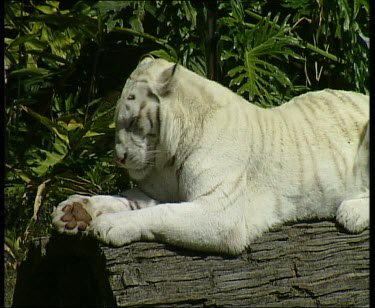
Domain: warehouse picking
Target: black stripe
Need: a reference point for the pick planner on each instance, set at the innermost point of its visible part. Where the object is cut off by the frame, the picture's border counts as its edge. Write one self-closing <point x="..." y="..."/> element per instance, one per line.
<point x="137" y="205"/>
<point x="322" y="136"/>
<point x="317" y="178"/>
<point x="258" y="114"/>
<point x="149" y="118"/>
<point x="131" y="205"/>
<point x="209" y="192"/>
<point x="292" y="133"/>
<point x="344" y="97"/>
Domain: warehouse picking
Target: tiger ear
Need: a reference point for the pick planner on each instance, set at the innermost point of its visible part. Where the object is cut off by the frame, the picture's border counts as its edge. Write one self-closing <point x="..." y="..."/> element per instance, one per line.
<point x="147" y="58"/>
<point x="165" y="80"/>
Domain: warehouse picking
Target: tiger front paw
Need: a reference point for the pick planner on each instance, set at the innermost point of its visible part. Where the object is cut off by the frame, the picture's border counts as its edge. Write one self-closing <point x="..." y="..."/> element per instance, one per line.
<point x="119" y="229"/>
<point x="73" y="215"/>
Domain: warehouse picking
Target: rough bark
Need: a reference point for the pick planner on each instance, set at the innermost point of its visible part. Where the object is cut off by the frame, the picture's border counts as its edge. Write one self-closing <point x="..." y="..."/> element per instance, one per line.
<point x="300" y="265"/>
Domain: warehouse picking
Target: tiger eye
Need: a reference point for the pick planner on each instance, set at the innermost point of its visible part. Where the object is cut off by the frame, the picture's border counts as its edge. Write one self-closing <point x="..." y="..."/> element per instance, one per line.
<point x="131" y="97"/>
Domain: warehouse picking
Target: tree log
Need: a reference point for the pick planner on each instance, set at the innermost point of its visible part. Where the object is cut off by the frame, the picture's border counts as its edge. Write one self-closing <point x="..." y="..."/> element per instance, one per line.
<point x="301" y="265"/>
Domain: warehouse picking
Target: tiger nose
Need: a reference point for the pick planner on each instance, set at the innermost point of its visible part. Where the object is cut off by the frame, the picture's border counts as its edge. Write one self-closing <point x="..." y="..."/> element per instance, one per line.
<point x="121" y="160"/>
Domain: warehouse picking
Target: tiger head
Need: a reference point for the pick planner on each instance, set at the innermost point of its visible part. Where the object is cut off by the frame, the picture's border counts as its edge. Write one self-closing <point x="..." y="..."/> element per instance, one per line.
<point x="137" y="116"/>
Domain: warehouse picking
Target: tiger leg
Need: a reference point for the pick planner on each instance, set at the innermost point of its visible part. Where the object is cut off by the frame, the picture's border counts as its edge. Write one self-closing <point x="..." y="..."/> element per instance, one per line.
<point x="77" y="212"/>
<point x="192" y="225"/>
<point x="353" y="214"/>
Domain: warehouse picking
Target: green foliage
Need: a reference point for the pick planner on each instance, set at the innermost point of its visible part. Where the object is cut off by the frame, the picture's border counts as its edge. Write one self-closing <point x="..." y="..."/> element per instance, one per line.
<point x="66" y="63"/>
<point x="340" y="28"/>
<point x="57" y="123"/>
<point x="273" y="55"/>
<point x="254" y="49"/>
<point x="185" y="42"/>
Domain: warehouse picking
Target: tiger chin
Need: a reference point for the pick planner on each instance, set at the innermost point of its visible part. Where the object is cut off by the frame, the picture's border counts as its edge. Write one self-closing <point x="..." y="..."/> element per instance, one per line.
<point x="214" y="172"/>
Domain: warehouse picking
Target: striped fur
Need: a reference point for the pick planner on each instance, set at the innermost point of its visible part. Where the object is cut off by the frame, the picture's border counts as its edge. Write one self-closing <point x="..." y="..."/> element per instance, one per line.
<point x="215" y="171"/>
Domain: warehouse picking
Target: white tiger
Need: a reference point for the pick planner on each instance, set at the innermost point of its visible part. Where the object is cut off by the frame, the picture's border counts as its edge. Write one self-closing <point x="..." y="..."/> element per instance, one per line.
<point x="215" y="171"/>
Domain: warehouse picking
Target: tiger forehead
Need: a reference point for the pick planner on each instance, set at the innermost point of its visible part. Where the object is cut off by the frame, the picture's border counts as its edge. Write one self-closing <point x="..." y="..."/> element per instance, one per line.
<point x="135" y="80"/>
<point x="133" y="94"/>
<point x="133" y="83"/>
<point x="137" y="89"/>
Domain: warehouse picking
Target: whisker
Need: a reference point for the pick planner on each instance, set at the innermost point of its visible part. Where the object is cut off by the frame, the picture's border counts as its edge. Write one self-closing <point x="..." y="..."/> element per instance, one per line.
<point x="156" y="151"/>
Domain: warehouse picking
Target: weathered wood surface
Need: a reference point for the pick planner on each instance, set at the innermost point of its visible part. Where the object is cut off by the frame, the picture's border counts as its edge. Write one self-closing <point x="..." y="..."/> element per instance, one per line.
<point x="300" y="265"/>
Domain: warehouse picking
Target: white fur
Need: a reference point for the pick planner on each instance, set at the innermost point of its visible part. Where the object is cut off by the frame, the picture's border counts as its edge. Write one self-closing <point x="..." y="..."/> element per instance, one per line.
<point x="224" y="170"/>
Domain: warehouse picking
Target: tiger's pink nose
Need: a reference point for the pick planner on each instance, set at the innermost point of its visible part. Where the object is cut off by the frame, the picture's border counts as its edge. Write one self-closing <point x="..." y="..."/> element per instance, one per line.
<point x="122" y="161"/>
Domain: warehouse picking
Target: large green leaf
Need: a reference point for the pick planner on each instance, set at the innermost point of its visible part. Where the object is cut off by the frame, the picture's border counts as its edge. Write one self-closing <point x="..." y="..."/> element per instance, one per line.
<point x="54" y="127"/>
<point x="256" y="76"/>
<point x="28" y="72"/>
<point x="42" y="161"/>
